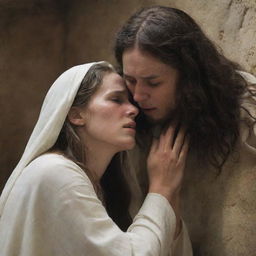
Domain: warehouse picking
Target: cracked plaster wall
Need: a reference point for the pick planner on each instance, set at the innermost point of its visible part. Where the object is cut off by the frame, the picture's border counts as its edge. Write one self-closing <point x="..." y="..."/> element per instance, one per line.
<point x="40" y="39"/>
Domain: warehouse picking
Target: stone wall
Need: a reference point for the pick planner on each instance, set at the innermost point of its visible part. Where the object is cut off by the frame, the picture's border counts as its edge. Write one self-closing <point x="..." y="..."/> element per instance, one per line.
<point x="42" y="38"/>
<point x="32" y="51"/>
<point x="229" y="23"/>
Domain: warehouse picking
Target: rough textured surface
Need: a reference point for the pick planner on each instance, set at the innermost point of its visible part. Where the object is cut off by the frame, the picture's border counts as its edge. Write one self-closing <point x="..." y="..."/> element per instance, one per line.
<point x="220" y="210"/>
<point x="41" y="38"/>
<point x="231" y="24"/>
<point x="31" y="49"/>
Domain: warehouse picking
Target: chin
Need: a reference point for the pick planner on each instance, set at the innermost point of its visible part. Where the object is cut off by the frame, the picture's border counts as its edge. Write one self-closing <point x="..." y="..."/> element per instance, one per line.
<point x="128" y="145"/>
<point x="153" y="120"/>
<point x="131" y="146"/>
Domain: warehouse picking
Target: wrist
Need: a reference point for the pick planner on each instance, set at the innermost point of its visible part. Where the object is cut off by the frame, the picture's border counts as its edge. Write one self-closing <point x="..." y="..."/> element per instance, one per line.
<point x="166" y="192"/>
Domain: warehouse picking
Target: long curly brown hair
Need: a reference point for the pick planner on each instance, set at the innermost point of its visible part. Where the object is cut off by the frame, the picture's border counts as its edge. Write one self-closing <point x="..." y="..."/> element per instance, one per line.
<point x="210" y="89"/>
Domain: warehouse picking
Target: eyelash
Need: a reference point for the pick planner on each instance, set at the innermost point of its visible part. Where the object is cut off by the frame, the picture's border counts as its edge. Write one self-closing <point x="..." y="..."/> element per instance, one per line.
<point x="117" y="100"/>
<point x="153" y="84"/>
<point x="130" y="82"/>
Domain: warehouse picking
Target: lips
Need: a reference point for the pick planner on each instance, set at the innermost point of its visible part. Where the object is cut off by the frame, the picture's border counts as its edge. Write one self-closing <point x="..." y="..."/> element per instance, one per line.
<point x="146" y="107"/>
<point x="131" y="124"/>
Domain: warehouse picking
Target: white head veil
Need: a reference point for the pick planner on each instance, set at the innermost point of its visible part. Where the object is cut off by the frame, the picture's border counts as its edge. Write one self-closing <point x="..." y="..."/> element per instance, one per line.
<point x="51" y="119"/>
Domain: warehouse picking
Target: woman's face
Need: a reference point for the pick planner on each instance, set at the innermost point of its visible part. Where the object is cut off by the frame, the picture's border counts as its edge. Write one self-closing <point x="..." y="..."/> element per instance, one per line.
<point x="109" y="116"/>
<point x="152" y="83"/>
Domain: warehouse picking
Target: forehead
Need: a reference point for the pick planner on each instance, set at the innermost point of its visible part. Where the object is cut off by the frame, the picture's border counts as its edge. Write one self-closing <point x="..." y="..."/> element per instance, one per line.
<point x="111" y="82"/>
<point x="141" y="63"/>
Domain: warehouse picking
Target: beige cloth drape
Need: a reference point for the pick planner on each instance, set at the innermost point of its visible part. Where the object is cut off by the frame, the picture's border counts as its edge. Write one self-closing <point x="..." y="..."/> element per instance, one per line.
<point x="49" y="207"/>
<point x="52" y="116"/>
<point x="53" y="210"/>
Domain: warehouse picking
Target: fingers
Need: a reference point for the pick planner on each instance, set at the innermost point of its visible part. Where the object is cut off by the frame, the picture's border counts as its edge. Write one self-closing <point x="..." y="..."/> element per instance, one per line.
<point x="169" y="143"/>
<point x="184" y="150"/>
<point x="166" y="139"/>
<point x="179" y="141"/>
<point x="154" y="145"/>
<point x="166" y="162"/>
<point x="163" y="143"/>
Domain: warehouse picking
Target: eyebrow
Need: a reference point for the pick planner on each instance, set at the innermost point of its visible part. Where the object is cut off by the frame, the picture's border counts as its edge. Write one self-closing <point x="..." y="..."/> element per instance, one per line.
<point x="143" y="77"/>
<point x="121" y="92"/>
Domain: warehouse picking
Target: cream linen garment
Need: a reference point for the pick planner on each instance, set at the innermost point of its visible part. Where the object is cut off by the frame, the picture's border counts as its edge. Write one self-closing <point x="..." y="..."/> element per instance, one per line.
<point x="49" y="208"/>
<point x="53" y="113"/>
<point x="53" y="211"/>
<point x="220" y="212"/>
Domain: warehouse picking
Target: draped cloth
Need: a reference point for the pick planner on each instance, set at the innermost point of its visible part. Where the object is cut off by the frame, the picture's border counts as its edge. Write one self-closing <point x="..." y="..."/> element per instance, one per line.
<point x="51" y="119"/>
<point x="49" y="206"/>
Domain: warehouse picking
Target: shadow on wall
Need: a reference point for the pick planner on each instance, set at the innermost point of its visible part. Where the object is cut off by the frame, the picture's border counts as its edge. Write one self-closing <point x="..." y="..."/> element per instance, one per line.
<point x="42" y="38"/>
<point x="39" y="40"/>
<point x="32" y="49"/>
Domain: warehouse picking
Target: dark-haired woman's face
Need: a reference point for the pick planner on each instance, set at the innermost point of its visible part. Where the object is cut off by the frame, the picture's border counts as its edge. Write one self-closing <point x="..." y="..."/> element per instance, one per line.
<point x="151" y="82"/>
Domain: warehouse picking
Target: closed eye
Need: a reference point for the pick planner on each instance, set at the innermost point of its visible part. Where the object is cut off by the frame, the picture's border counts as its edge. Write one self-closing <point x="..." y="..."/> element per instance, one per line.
<point x="119" y="96"/>
<point x="117" y="100"/>
<point x="153" y="84"/>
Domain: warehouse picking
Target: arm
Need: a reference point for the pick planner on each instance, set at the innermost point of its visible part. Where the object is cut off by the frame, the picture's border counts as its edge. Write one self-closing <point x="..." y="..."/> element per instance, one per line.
<point x="82" y="226"/>
<point x="166" y="163"/>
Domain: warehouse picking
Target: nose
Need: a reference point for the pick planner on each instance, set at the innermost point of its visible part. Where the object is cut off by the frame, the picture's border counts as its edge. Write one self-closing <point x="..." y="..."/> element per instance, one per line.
<point x="132" y="111"/>
<point x="139" y="93"/>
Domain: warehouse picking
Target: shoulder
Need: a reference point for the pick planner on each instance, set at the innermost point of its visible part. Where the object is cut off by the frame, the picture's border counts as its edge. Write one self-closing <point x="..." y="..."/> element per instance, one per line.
<point x="55" y="171"/>
<point x="249" y="98"/>
<point x="248" y="113"/>
<point x="251" y="79"/>
<point x="53" y="160"/>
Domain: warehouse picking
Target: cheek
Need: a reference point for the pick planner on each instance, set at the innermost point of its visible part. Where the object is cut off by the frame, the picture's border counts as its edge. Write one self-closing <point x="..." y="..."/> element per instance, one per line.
<point x="104" y="115"/>
<point x="98" y="125"/>
<point x="166" y="98"/>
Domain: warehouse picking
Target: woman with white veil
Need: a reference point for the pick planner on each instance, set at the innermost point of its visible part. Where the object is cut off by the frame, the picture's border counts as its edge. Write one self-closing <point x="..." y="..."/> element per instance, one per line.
<point x="67" y="195"/>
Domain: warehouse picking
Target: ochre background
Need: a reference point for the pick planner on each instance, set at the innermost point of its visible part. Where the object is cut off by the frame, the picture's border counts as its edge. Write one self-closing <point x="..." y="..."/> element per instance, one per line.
<point x="40" y="39"/>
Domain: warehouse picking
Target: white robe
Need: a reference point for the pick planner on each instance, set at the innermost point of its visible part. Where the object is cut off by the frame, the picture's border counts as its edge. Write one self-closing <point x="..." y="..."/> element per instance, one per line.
<point x="53" y="210"/>
<point x="49" y="207"/>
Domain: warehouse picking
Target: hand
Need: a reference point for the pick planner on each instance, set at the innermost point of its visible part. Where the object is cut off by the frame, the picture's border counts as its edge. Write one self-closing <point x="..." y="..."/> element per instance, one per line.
<point x="166" y="162"/>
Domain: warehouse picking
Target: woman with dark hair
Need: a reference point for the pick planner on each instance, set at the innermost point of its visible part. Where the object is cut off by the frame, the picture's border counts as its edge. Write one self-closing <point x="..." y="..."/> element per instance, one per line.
<point x="68" y="195"/>
<point x="176" y="75"/>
